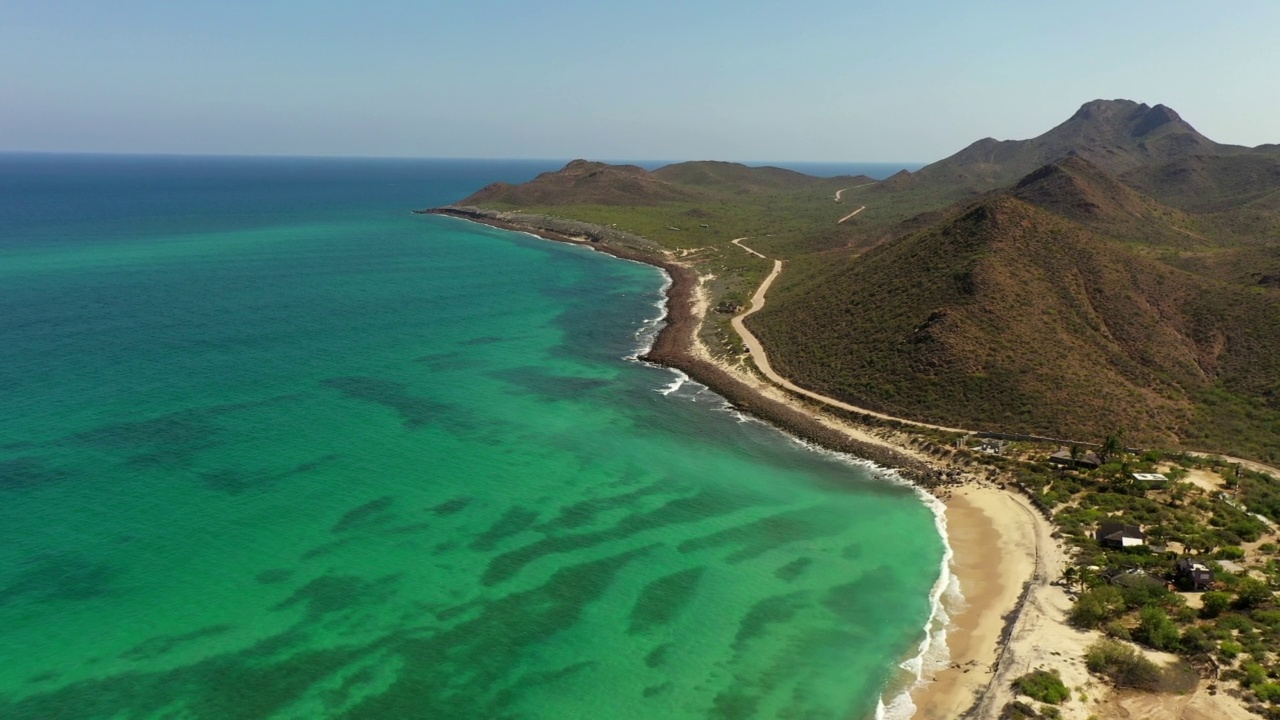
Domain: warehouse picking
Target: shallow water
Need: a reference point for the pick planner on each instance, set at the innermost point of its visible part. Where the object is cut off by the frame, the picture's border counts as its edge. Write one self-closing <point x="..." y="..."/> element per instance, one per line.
<point x="273" y="447"/>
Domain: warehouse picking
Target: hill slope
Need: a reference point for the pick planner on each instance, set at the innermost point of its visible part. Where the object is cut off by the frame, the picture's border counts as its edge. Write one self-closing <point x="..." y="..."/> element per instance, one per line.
<point x="1013" y="318"/>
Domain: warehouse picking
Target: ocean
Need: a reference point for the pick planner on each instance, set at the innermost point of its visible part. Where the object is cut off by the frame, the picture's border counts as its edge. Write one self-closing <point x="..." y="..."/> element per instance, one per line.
<point x="274" y="447"/>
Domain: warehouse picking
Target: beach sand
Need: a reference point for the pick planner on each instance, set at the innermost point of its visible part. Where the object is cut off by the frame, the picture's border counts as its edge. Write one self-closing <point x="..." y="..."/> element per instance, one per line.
<point x="994" y="540"/>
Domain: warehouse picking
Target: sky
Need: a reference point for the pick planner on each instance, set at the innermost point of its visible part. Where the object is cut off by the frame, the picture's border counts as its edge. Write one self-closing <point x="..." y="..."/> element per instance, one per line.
<point x="747" y="81"/>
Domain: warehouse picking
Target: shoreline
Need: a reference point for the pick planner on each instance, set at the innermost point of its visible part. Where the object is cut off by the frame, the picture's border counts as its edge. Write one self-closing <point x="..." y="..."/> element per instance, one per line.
<point x="973" y="610"/>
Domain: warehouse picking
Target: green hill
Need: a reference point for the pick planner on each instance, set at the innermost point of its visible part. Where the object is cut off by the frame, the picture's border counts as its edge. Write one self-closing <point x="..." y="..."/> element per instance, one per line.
<point x="1009" y="317"/>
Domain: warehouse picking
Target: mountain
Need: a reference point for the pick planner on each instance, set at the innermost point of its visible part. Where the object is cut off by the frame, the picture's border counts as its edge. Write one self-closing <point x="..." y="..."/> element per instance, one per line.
<point x="1024" y="311"/>
<point x="1115" y="135"/>
<point x="582" y="182"/>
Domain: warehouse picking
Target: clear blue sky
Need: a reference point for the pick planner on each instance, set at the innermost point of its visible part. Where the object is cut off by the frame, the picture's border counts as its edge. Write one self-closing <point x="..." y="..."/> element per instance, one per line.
<point x="742" y="80"/>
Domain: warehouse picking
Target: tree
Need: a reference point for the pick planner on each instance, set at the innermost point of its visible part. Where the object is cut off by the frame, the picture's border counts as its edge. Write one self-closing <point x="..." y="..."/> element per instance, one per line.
<point x="1113" y="445"/>
<point x="1070" y="576"/>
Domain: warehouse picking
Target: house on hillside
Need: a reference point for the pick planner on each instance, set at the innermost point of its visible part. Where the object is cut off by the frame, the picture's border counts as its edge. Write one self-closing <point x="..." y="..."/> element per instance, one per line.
<point x="1088" y="461"/>
<point x="1150" y="477"/>
<point x="1114" y="534"/>
<point x="1197" y="575"/>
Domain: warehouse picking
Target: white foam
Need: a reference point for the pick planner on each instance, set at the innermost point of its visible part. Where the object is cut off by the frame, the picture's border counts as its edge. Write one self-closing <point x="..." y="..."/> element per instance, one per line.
<point x="647" y="333"/>
<point x="675" y="385"/>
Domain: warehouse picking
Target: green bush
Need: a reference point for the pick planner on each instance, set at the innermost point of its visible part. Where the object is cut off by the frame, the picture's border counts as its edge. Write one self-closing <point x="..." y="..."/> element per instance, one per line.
<point x="1194" y="641"/>
<point x="1229" y="649"/>
<point x="1124" y="666"/>
<point x="1096" y="606"/>
<point x="1231" y="552"/>
<point x="1117" y="630"/>
<point x="1251" y="592"/>
<point x="1267" y="692"/>
<point x="1155" y="630"/>
<point x="1043" y="685"/>
<point x="1214" y="603"/>
<point x="1254" y="674"/>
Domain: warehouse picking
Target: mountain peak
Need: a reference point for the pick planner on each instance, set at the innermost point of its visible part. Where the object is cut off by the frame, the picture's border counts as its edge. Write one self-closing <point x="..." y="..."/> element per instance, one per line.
<point x="1099" y="109"/>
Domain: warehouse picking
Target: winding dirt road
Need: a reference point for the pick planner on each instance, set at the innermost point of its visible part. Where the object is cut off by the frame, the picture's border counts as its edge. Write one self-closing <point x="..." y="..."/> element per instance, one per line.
<point x="762" y="362"/>
<point x="855" y="212"/>
<point x="852" y="187"/>
<point x="762" y="359"/>
<point x="738" y="242"/>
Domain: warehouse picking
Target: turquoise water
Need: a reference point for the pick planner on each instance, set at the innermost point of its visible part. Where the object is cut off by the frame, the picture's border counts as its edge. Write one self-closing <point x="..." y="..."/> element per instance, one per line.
<point x="272" y="447"/>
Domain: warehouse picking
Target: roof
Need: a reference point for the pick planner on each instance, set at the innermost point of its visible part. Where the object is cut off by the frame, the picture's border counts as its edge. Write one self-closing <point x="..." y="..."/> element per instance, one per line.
<point x="1118" y="531"/>
<point x="1150" y="477"/>
<point x="1189" y="565"/>
<point x="1064" y="456"/>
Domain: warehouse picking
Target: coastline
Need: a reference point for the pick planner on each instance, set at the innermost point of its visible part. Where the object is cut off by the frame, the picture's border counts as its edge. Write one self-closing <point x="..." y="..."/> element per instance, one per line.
<point x="981" y="524"/>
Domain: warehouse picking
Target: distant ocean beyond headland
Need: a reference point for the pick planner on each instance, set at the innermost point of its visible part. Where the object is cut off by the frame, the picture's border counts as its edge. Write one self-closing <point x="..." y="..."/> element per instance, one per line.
<point x="274" y="447"/>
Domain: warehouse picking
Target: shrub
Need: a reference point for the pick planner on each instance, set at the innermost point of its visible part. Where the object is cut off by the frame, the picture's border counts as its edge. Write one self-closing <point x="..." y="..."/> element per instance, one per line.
<point x="1254" y="674"/>
<point x="1229" y="649"/>
<point x="1117" y="630"/>
<point x="1096" y="606"/>
<point x="1251" y="593"/>
<point x="1268" y="692"/>
<point x="1124" y="666"/>
<point x="1043" y="685"/>
<point x="1214" y="603"/>
<point x="1194" y="641"/>
<point x="1231" y="552"/>
<point x="1018" y="710"/>
<point x="1155" y="630"/>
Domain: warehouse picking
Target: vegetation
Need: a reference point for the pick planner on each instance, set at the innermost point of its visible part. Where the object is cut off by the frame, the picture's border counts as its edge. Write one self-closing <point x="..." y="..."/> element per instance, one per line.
<point x="1043" y="685"/>
<point x="1122" y="665"/>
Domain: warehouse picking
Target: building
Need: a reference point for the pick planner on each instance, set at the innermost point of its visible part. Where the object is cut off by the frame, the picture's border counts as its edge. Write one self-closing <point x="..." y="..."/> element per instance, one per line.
<point x="1197" y="575"/>
<point x="1114" y="534"/>
<point x="1150" y="477"/>
<point x="1089" y="461"/>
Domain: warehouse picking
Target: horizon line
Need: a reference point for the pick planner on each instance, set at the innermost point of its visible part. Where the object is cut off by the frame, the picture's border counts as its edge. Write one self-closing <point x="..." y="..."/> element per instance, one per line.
<point x="284" y="156"/>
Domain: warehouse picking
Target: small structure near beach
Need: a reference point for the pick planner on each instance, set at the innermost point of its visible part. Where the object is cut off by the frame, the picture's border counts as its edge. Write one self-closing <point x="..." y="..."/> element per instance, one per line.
<point x="1089" y="460"/>
<point x="1114" y="534"/>
<point x="1194" y="574"/>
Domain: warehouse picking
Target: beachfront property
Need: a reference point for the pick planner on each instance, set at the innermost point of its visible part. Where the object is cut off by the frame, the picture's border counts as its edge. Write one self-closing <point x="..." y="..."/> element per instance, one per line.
<point x="1114" y="534"/>
<point x="1197" y="575"/>
<point x="1089" y="460"/>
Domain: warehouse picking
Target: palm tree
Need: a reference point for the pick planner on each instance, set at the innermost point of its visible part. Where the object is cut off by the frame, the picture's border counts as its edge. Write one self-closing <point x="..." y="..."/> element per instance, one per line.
<point x="1070" y="576"/>
<point x="1112" y="445"/>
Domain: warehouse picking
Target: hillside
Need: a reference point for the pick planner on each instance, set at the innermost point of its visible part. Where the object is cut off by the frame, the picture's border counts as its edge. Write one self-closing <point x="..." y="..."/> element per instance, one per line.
<point x="583" y="182"/>
<point x="1013" y="318"/>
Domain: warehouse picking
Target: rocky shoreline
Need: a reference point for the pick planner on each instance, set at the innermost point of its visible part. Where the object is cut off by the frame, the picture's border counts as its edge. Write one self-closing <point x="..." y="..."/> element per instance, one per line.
<point x="674" y="344"/>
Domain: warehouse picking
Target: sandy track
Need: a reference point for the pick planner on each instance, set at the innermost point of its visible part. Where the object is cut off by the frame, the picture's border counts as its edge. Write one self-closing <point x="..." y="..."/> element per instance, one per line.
<point x="852" y="187"/>
<point x="855" y="212"/>
<point x="756" y="349"/>
<point x="738" y="242"/>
